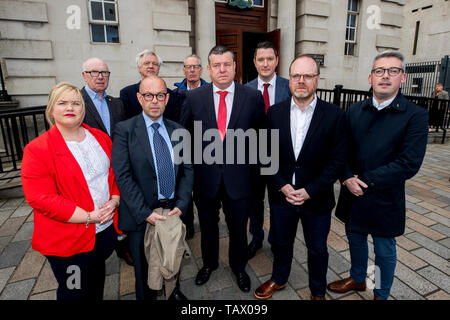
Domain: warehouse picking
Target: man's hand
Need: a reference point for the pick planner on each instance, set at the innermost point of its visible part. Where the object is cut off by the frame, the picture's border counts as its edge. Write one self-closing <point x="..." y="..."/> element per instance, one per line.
<point x="295" y="197"/>
<point x="354" y="185"/>
<point x="175" y="211"/>
<point x="153" y="217"/>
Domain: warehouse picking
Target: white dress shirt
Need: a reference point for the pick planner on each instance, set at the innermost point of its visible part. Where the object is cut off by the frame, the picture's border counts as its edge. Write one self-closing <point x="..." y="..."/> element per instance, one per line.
<point x="300" y="121"/>
<point x="382" y="105"/>
<point x="94" y="164"/>
<point x="228" y="100"/>
<point x="270" y="89"/>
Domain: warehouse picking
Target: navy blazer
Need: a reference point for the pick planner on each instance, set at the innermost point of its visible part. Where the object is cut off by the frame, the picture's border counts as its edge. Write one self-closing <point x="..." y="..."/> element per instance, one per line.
<point x="385" y="148"/>
<point x="282" y="91"/>
<point x="92" y="117"/>
<point x="321" y="159"/>
<point x="128" y="95"/>
<point x="135" y="174"/>
<point x="247" y="113"/>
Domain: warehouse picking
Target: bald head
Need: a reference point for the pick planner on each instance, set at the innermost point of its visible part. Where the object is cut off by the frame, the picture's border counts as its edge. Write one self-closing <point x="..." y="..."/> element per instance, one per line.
<point x="153" y="96"/>
<point x="96" y="75"/>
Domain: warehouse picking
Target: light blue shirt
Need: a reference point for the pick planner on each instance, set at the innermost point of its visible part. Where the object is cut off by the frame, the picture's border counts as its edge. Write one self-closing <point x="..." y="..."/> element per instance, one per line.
<point x="101" y="106"/>
<point x="163" y="132"/>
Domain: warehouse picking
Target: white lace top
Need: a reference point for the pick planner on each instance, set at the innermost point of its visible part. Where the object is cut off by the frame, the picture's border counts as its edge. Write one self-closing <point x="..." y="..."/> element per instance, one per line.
<point x="95" y="166"/>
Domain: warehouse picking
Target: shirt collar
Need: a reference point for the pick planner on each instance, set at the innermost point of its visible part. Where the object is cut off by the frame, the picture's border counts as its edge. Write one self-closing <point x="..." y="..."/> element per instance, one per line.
<point x="149" y="122"/>
<point x="92" y="94"/>
<point x="272" y="81"/>
<point x="382" y="105"/>
<point x="230" y="89"/>
<point x="311" y="106"/>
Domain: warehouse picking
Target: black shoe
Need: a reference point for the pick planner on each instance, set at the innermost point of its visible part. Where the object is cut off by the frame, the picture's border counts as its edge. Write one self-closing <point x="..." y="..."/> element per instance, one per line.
<point x="177" y="295"/>
<point x="253" y="247"/>
<point x="243" y="281"/>
<point x="123" y="252"/>
<point x="203" y="275"/>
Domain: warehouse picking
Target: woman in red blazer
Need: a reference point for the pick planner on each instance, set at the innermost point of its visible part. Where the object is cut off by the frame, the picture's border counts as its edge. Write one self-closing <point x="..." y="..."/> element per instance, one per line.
<point x="68" y="180"/>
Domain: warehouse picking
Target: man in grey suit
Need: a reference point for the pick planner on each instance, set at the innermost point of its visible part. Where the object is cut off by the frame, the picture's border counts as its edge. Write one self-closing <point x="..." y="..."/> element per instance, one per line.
<point x="148" y="176"/>
<point x="274" y="89"/>
<point x="103" y="112"/>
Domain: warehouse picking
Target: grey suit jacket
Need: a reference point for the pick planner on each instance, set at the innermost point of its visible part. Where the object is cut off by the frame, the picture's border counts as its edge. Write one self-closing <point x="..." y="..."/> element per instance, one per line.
<point x="282" y="91"/>
<point x="92" y="117"/>
<point x="135" y="173"/>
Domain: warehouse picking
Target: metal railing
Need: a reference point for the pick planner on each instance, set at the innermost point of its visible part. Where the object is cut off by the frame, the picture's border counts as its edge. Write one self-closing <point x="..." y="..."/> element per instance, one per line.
<point x="17" y="128"/>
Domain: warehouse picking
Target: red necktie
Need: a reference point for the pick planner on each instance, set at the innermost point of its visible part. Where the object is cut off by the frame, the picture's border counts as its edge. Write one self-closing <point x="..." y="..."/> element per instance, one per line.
<point x="222" y="114"/>
<point x="266" y="96"/>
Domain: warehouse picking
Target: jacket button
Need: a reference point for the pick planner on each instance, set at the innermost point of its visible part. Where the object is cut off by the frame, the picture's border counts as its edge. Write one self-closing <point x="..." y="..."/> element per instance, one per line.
<point x="372" y="184"/>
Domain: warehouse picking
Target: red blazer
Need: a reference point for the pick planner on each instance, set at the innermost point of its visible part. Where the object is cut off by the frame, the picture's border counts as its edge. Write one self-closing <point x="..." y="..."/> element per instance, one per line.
<point x="54" y="185"/>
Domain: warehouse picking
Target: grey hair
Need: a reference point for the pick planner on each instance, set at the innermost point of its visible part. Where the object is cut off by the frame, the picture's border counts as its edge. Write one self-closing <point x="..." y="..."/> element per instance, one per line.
<point x="145" y="53"/>
<point x="389" y="54"/>
<point x="194" y="56"/>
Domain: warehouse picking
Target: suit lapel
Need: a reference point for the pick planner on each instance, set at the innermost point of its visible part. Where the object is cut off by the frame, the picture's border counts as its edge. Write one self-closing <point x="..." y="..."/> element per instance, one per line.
<point x="142" y="135"/>
<point x="314" y="125"/>
<point x="92" y="110"/>
<point x="286" y="129"/>
<point x="209" y="108"/>
<point x="238" y="102"/>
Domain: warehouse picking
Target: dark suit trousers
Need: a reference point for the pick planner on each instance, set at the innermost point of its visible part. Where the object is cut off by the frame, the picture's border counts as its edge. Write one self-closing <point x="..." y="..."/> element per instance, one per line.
<point x="283" y="229"/>
<point x="136" y="246"/>
<point x="236" y="217"/>
<point x="91" y="269"/>
<point x="257" y="211"/>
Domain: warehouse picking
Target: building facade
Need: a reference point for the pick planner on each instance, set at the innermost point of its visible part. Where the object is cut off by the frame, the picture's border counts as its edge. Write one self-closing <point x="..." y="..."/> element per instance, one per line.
<point x="43" y="42"/>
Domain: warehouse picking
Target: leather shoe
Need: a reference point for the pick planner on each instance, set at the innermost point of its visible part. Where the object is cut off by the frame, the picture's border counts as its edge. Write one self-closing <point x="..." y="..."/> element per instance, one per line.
<point x="177" y="295"/>
<point x="317" y="298"/>
<point x="345" y="285"/>
<point x="253" y="247"/>
<point x="243" y="281"/>
<point x="203" y="275"/>
<point x="266" y="290"/>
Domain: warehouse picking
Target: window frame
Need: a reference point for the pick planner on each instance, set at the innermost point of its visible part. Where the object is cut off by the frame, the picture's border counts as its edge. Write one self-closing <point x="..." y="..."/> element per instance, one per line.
<point x="254" y="6"/>
<point x="104" y="23"/>
<point x="353" y="42"/>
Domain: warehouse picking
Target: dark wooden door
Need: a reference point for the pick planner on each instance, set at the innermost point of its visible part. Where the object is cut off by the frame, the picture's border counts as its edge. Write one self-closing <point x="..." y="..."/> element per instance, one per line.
<point x="232" y="39"/>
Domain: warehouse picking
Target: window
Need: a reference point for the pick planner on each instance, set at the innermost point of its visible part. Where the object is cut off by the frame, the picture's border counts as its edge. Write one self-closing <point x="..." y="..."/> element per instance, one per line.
<point x="416" y="37"/>
<point x="255" y="3"/>
<point x="103" y="21"/>
<point x="350" y="29"/>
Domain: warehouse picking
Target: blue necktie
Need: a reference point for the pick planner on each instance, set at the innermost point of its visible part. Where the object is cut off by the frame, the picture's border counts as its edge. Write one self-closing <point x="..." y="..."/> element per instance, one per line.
<point x="166" y="175"/>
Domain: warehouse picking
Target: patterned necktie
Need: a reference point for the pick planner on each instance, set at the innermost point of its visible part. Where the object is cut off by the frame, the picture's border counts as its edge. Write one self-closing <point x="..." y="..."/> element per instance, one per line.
<point x="266" y="95"/>
<point x="222" y="114"/>
<point x="166" y="175"/>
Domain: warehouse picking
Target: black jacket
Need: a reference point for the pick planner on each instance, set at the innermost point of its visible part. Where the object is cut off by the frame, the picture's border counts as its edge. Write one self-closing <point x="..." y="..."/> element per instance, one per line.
<point x="385" y="148"/>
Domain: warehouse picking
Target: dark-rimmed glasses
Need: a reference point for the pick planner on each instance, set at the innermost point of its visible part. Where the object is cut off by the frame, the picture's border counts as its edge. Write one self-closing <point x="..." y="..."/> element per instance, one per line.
<point x="95" y="73"/>
<point x="394" y="71"/>
<point x="160" y="96"/>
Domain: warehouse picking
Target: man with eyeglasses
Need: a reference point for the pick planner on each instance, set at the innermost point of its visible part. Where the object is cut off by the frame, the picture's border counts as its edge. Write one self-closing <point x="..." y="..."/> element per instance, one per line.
<point x="148" y="64"/>
<point x="274" y="90"/>
<point x="192" y="70"/>
<point x="311" y="156"/>
<point x="154" y="189"/>
<point x="387" y="137"/>
<point x="103" y="112"/>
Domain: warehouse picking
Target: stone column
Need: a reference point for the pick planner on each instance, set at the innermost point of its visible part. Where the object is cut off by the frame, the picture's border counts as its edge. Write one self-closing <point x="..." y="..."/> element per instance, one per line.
<point x="205" y="31"/>
<point x="286" y="23"/>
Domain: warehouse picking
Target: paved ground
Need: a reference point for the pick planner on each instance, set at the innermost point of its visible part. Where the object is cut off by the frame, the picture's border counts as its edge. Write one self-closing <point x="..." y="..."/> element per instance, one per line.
<point x="423" y="269"/>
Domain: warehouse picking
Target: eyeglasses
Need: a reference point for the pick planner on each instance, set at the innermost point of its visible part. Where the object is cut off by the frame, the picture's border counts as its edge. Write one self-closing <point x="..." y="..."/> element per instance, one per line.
<point x="394" y="71"/>
<point x="192" y="66"/>
<point x="160" y="96"/>
<point x="307" y="77"/>
<point x="95" y="73"/>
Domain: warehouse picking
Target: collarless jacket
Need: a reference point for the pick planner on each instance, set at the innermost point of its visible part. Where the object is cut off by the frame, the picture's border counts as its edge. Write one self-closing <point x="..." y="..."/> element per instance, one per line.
<point x="385" y="148"/>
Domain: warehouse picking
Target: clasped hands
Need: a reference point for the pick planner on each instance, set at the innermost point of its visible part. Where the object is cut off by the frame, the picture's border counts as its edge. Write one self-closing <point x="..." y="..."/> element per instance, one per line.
<point x="295" y="197"/>
<point x="354" y="185"/>
<point x="155" y="216"/>
<point x="105" y="212"/>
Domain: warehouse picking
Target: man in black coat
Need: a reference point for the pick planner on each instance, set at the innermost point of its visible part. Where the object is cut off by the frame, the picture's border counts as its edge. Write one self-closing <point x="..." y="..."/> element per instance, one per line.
<point x="103" y="112"/>
<point x="387" y="137"/>
<point x="311" y="158"/>
<point x="218" y="107"/>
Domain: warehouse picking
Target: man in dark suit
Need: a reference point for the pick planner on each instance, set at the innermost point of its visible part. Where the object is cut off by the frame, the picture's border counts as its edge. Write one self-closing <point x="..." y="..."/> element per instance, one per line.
<point x="103" y="112"/>
<point x="387" y="137"/>
<point x="274" y="90"/>
<point x="220" y="106"/>
<point x="148" y="64"/>
<point x="148" y="176"/>
<point x="312" y="156"/>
